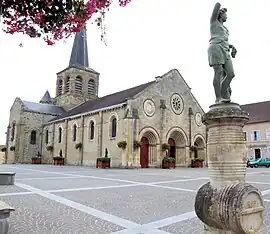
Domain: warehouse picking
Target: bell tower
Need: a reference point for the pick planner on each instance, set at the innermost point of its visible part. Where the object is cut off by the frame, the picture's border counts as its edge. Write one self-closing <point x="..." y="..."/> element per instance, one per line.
<point x="78" y="82"/>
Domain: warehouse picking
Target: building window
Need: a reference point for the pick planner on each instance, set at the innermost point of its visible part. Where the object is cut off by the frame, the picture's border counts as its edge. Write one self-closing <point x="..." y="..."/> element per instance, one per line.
<point x="256" y="135"/>
<point x="67" y="85"/>
<point x="78" y="84"/>
<point x="13" y="131"/>
<point x="92" y="130"/>
<point x="114" y="127"/>
<point x="257" y="153"/>
<point x="74" y="132"/>
<point x="91" y="87"/>
<point x="267" y="134"/>
<point x="33" y="138"/>
<point x="60" y="87"/>
<point x="46" y="137"/>
<point x="60" y="135"/>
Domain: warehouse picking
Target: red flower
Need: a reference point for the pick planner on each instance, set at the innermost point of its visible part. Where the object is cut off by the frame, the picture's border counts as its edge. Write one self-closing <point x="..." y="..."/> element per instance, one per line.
<point x="53" y="19"/>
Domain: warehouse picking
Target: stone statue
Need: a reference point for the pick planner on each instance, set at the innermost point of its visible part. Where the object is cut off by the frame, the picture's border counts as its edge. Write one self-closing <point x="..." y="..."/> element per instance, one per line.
<point x="219" y="55"/>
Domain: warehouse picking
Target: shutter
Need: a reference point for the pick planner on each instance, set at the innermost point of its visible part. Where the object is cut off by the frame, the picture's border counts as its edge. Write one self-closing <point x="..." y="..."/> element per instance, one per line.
<point x="258" y="136"/>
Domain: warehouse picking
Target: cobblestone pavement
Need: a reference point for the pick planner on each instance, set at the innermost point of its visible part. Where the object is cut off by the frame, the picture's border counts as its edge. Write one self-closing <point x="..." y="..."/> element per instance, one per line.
<point x="64" y="199"/>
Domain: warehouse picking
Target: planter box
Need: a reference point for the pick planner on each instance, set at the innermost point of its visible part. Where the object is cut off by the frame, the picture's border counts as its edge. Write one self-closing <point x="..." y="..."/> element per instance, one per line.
<point x="103" y="163"/>
<point x="168" y="165"/>
<point x="36" y="160"/>
<point x="197" y="164"/>
<point x="58" y="161"/>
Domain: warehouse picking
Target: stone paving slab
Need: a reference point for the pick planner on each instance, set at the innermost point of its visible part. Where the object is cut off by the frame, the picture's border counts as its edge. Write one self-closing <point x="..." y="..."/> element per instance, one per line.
<point x="195" y="226"/>
<point x="261" y="187"/>
<point x="193" y="185"/>
<point x="69" y="183"/>
<point x="30" y="175"/>
<point x="37" y="215"/>
<point x="10" y="189"/>
<point x="140" y="204"/>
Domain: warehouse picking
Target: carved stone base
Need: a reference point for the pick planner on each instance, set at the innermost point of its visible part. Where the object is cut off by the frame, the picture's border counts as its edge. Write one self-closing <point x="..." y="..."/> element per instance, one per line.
<point x="236" y="207"/>
<point x="226" y="204"/>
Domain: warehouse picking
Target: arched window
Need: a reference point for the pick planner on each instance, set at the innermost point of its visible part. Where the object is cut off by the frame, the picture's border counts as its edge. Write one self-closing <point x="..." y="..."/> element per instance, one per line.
<point x="78" y="84"/>
<point x="33" y="137"/>
<point x="74" y="132"/>
<point x="13" y="131"/>
<point x="46" y="137"/>
<point x="91" y="87"/>
<point x="60" y="87"/>
<point x="67" y="85"/>
<point x="60" y="135"/>
<point x="92" y="130"/>
<point x="114" y="127"/>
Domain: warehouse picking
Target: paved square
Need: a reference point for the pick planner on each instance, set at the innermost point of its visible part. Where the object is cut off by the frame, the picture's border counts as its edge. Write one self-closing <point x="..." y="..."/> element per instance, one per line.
<point x="65" y="199"/>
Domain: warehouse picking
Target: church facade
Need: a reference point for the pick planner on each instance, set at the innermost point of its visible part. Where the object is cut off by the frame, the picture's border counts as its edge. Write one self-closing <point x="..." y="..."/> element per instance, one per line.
<point x="81" y="125"/>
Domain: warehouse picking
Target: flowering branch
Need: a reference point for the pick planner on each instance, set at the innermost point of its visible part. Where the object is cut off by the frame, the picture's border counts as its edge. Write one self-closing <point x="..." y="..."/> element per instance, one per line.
<point x="52" y="19"/>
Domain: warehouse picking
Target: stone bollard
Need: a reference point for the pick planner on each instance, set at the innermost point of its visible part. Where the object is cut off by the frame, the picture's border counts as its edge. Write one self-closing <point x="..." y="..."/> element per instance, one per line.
<point x="5" y="210"/>
<point x="226" y="204"/>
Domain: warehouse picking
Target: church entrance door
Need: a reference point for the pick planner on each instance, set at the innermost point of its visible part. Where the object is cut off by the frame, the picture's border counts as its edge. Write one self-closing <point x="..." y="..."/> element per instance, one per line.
<point x="144" y="153"/>
<point x="172" y="150"/>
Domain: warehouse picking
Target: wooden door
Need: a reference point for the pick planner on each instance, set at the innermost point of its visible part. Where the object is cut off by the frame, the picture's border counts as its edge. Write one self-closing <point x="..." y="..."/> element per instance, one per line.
<point x="172" y="150"/>
<point x="144" y="153"/>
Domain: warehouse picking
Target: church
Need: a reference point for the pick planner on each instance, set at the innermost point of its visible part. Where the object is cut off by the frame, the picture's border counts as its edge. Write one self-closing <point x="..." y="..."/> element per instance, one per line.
<point x="80" y="126"/>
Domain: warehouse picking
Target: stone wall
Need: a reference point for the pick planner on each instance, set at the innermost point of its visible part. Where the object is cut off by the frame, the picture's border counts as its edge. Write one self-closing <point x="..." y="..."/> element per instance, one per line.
<point x="72" y="98"/>
<point x="14" y="117"/>
<point x="92" y="148"/>
<point x="161" y="124"/>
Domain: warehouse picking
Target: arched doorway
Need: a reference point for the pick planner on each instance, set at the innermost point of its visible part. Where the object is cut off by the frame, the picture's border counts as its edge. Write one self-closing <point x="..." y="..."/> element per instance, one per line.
<point x="172" y="151"/>
<point x="144" y="159"/>
<point x="199" y="151"/>
<point x="177" y="141"/>
<point x="148" y="152"/>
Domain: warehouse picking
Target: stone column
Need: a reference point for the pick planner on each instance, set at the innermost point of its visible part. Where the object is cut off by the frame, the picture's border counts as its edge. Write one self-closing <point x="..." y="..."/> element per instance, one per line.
<point x="226" y="204"/>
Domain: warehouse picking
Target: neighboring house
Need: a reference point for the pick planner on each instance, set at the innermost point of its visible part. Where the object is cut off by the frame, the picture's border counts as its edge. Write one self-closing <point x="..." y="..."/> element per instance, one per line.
<point x="161" y="111"/>
<point x="257" y="130"/>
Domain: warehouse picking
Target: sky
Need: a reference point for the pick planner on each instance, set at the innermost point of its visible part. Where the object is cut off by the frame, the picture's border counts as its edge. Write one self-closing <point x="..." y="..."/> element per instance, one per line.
<point x="146" y="39"/>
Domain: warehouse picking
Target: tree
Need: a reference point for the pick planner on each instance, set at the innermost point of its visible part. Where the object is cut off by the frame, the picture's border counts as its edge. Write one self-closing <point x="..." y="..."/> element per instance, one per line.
<point x="52" y="19"/>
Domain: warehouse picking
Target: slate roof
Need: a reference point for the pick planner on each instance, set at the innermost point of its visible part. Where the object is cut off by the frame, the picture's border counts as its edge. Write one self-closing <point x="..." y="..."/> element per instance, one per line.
<point x="258" y="112"/>
<point x="106" y="101"/>
<point x="79" y="54"/>
<point x="43" y="108"/>
<point x="46" y="98"/>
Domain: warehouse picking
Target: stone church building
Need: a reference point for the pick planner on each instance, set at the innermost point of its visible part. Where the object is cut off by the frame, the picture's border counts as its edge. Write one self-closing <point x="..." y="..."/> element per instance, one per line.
<point x="161" y="111"/>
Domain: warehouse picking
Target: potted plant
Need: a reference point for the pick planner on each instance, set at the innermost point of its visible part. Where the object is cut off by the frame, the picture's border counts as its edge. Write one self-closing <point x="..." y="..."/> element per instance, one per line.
<point x="197" y="162"/>
<point x="59" y="160"/>
<point x="122" y="144"/>
<point x="104" y="162"/>
<point x="49" y="148"/>
<point x="78" y="146"/>
<point x="168" y="162"/>
<point x="12" y="148"/>
<point x="136" y="144"/>
<point x="165" y="146"/>
<point x="36" y="159"/>
<point x="4" y="149"/>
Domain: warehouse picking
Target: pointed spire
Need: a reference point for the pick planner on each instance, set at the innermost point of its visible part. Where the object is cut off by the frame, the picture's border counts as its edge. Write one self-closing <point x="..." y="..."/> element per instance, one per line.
<point x="79" y="54"/>
<point x="46" y="98"/>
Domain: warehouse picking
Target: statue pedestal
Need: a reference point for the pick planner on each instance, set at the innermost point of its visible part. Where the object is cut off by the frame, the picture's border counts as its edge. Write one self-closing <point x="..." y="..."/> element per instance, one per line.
<point x="226" y="204"/>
